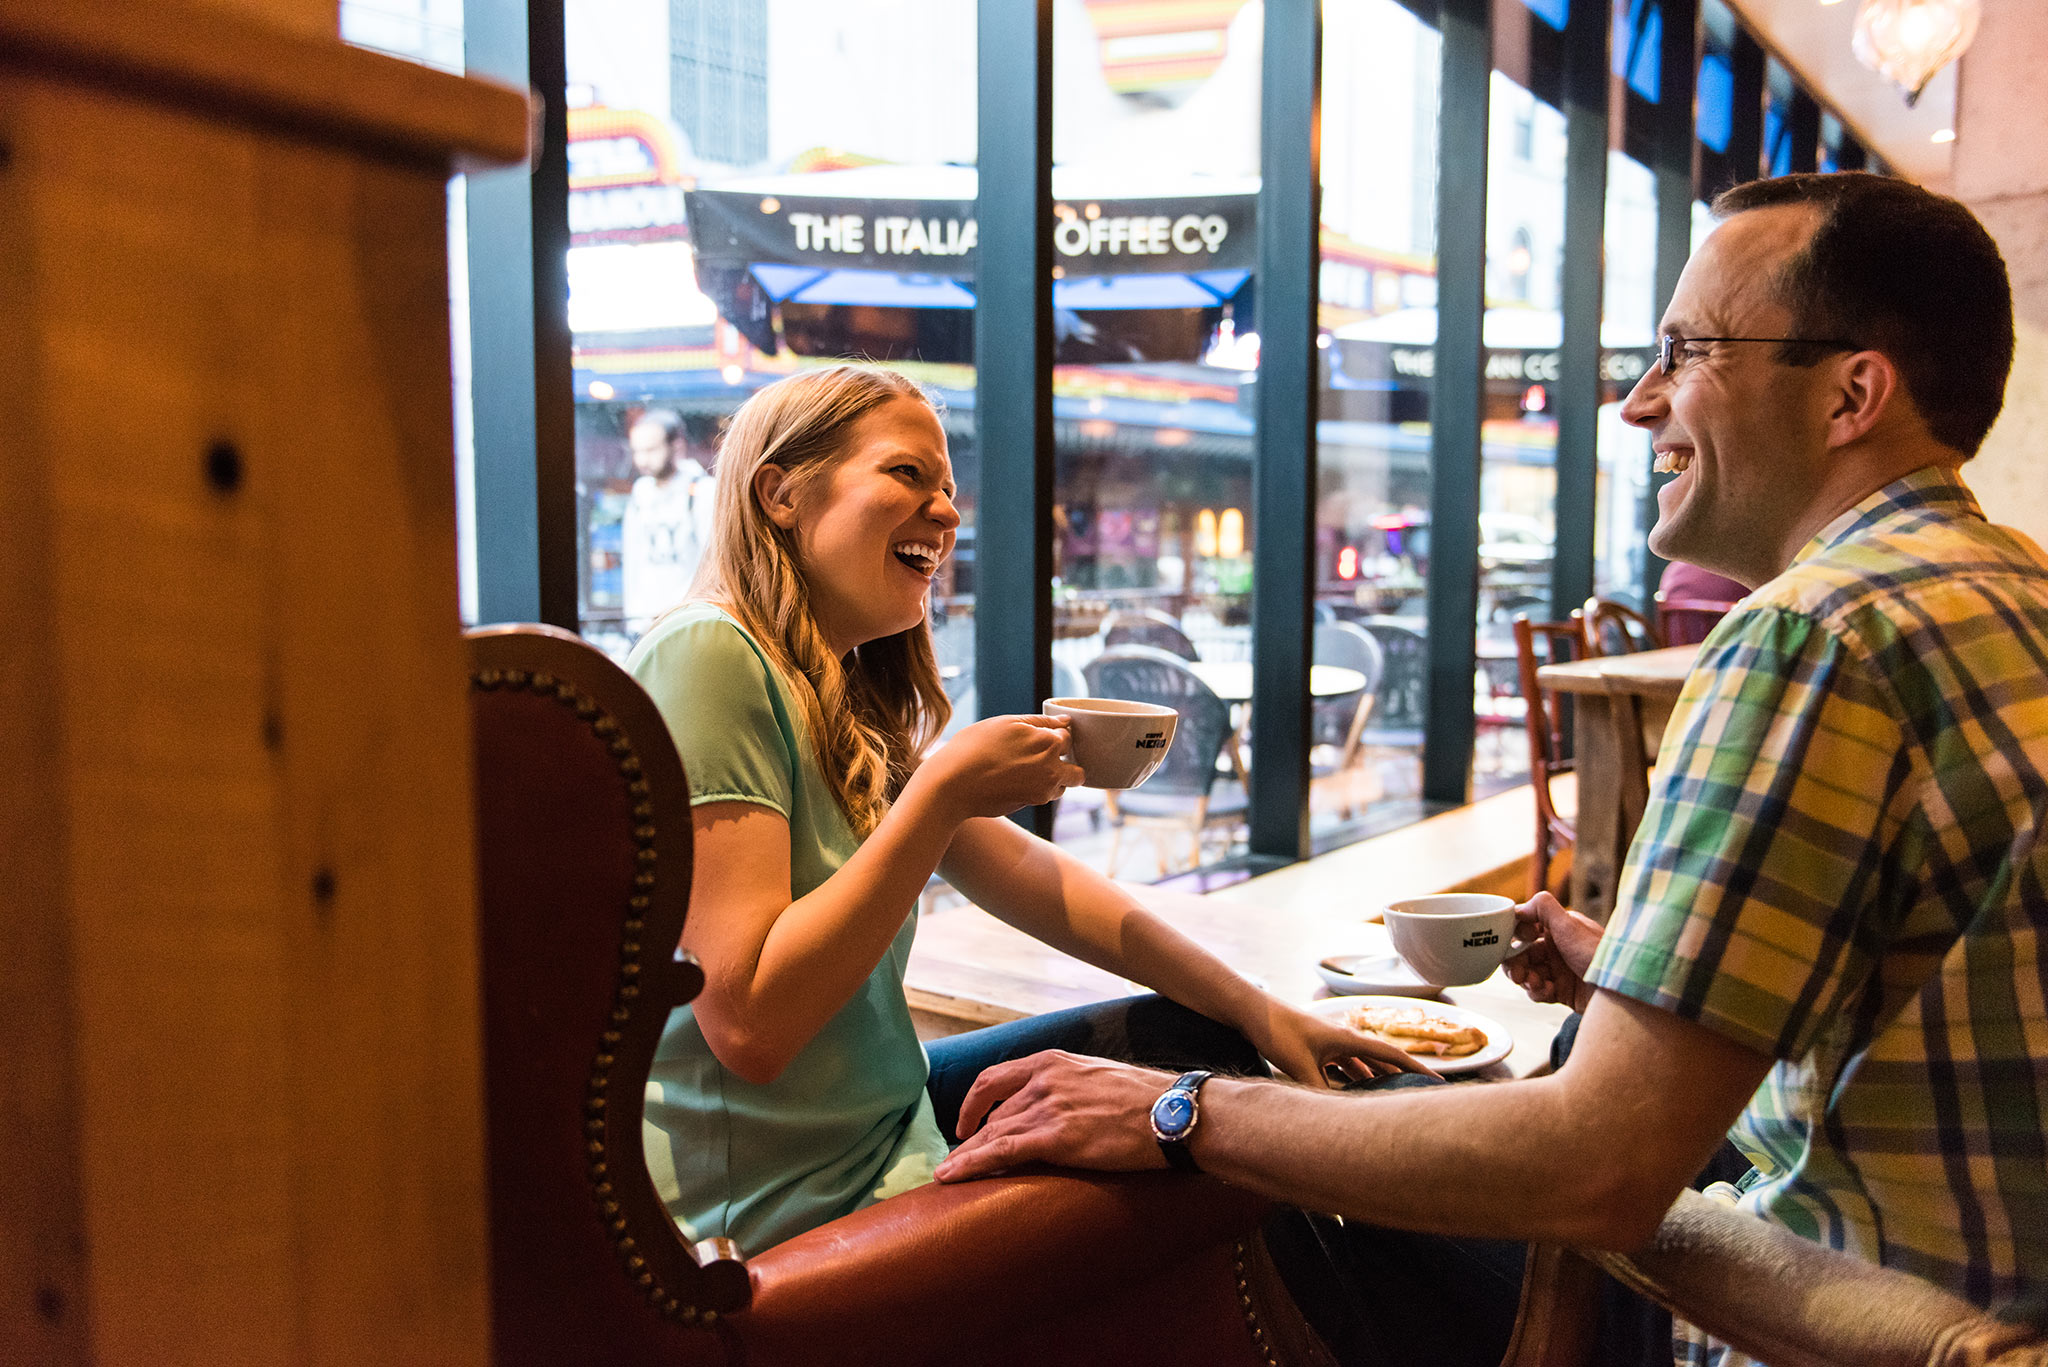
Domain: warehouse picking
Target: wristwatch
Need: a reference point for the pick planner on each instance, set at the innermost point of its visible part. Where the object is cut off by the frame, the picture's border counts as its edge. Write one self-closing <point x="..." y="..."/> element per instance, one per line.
<point x="1174" y="1116"/>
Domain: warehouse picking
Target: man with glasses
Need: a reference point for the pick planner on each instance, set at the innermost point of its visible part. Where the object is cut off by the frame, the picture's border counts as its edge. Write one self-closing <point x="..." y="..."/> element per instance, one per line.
<point x="1827" y="934"/>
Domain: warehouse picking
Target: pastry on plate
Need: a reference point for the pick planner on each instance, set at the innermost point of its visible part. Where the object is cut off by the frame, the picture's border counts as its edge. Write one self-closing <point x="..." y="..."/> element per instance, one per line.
<point x="1417" y="1029"/>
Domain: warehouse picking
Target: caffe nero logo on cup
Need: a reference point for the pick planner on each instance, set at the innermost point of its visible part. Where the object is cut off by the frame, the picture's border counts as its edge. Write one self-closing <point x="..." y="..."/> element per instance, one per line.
<point x="1482" y="937"/>
<point x="1152" y="740"/>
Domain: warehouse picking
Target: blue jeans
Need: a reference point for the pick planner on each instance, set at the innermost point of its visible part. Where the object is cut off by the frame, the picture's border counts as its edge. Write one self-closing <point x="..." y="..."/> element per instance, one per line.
<point x="1148" y="1030"/>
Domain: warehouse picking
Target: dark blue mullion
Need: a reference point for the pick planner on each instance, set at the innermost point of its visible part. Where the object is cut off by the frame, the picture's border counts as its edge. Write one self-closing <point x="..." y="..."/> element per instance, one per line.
<point x="521" y="377"/>
<point x="1284" y="476"/>
<point x="1746" y="127"/>
<point x="1578" y="389"/>
<point x="1013" y="348"/>
<point x="1805" y="131"/>
<point x="1674" y="165"/>
<point x="1458" y="398"/>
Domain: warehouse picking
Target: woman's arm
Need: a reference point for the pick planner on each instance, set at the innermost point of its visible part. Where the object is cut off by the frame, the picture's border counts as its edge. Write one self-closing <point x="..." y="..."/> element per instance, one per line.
<point x="776" y="968"/>
<point x="1050" y="895"/>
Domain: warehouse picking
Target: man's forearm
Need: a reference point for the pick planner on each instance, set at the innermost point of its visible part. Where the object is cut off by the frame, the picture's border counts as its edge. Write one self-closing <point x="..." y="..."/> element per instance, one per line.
<point x="1591" y="1155"/>
<point x="1507" y="1161"/>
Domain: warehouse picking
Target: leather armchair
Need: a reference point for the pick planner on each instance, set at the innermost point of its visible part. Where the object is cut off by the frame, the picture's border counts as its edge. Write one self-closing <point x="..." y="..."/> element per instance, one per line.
<point x="584" y="842"/>
<point x="1764" y="1290"/>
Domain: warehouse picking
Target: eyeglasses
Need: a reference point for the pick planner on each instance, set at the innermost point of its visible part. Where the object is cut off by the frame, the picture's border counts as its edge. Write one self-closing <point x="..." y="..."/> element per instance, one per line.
<point x="1668" y="359"/>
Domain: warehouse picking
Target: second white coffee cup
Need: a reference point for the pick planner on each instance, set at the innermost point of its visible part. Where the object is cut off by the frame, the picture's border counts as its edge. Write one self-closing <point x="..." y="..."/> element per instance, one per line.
<point x="1453" y="938"/>
<point x="1117" y="743"/>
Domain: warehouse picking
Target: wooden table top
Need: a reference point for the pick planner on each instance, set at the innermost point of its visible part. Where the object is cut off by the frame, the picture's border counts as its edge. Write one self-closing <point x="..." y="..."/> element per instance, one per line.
<point x="1231" y="680"/>
<point x="1648" y="674"/>
<point x="968" y="965"/>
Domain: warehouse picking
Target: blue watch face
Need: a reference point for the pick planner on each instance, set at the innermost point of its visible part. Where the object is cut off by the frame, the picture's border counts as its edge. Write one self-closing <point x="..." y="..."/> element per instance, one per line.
<point x="1173" y="1113"/>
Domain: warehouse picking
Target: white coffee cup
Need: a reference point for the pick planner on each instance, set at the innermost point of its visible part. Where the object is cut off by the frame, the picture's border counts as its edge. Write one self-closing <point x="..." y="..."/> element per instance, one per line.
<point x="1117" y="743"/>
<point x="1453" y="938"/>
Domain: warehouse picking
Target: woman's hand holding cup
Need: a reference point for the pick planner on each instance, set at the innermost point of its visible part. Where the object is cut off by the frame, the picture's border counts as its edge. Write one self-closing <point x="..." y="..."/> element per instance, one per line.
<point x="996" y="766"/>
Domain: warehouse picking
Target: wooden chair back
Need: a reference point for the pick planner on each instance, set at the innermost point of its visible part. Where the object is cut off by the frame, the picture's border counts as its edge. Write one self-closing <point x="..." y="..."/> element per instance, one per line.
<point x="1549" y="728"/>
<point x="1617" y="629"/>
<point x="584" y="861"/>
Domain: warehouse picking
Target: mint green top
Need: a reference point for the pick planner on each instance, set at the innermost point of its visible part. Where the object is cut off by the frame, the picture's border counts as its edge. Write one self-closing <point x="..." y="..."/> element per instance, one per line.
<point x="848" y="1122"/>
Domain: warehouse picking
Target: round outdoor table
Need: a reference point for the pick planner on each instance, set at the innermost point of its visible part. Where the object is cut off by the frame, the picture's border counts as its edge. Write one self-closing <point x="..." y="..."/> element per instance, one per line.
<point x="1231" y="680"/>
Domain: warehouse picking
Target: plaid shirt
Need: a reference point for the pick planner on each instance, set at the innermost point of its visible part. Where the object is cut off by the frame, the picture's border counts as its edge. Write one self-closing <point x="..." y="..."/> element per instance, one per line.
<point x="1841" y="867"/>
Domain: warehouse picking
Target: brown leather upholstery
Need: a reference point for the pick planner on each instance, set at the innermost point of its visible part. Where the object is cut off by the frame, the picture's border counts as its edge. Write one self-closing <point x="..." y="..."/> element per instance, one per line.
<point x="584" y="848"/>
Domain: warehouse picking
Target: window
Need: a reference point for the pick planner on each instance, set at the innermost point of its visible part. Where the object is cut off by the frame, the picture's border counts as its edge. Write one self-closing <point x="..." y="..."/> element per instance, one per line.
<point x="1628" y="330"/>
<point x="430" y="32"/>
<point x="1518" y="466"/>
<point x="734" y="218"/>
<point x="1637" y="45"/>
<point x="1778" y="96"/>
<point x="1380" y="84"/>
<point x="1155" y="178"/>
<point x="424" y="31"/>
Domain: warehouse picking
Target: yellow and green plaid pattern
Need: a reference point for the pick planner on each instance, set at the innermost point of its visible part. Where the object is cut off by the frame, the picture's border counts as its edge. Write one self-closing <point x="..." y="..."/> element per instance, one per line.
<point x="1841" y="866"/>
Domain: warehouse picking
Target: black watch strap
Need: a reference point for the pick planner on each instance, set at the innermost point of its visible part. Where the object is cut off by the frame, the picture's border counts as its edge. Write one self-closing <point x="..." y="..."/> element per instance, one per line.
<point x="1176" y="1150"/>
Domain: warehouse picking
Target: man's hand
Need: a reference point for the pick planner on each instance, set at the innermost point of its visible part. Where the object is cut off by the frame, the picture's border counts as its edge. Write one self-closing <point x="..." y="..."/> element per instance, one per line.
<point x="1056" y="1107"/>
<point x="1561" y="946"/>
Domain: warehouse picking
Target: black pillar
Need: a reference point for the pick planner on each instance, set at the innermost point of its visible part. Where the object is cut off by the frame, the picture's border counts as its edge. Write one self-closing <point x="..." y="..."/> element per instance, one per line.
<point x="1013" y="365"/>
<point x="1458" y="397"/>
<point x="1746" y="130"/>
<point x="1585" y="226"/>
<point x="520" y="370"/>
<point x="1284" y="476"/>
<point x="1804" y="120"/>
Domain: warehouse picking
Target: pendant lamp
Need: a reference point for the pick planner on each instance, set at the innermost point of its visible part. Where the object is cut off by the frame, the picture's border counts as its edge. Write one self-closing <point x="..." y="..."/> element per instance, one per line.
<point x="1907" y="41"/>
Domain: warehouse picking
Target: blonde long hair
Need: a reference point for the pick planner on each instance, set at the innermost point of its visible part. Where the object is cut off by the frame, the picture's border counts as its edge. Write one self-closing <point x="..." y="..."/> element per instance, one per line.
<point x="870" y="715"/>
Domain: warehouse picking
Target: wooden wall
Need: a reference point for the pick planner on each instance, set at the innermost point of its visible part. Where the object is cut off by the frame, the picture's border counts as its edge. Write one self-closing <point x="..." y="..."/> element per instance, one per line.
<point x="239" y="1074"/>
<point x="313" y="18"/>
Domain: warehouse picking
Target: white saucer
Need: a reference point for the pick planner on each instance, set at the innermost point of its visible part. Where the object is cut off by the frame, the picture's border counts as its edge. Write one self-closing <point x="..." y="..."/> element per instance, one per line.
<point x="1385" y="975"/>
<point x="1499" y="1043"/>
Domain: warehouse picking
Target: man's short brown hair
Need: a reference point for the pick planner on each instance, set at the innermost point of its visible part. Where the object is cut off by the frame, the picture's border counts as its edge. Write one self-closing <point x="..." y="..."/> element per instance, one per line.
<point x="1904" y="271"/>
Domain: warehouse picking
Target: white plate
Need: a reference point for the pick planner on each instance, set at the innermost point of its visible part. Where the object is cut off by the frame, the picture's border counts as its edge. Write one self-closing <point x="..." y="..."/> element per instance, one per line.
<point x="1383" y="975"/>
<point x="1499" y="1043"/>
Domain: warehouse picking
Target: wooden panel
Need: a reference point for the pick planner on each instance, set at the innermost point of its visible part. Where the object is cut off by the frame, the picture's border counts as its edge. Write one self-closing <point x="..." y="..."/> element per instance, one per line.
<point x="309" y="86"/>
<point x="246" y="894"/>
<point x="41" y="1260"/>
<point x="315" y="18"/>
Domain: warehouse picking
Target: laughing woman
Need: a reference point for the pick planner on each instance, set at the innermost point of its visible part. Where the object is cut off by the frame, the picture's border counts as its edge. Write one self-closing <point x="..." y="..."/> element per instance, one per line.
<point x="800" y="686"/>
